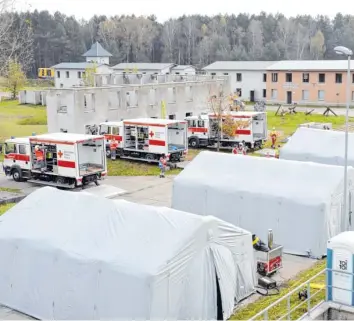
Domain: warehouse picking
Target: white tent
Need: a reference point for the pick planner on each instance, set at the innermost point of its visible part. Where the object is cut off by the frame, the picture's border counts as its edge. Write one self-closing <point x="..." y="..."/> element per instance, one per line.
<point x="301" y="202"/>
<point x="317" y="145"/>
<point x="67" y="255"/>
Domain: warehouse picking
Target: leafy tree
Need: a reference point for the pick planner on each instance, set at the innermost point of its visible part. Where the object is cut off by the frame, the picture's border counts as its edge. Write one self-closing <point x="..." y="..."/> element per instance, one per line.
<point x="89" y="75"/>
<point x="15" y="78"/>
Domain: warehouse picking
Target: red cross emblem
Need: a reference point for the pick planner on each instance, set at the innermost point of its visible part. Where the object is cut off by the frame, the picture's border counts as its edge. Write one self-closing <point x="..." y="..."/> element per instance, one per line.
<point x="151" y="134"/>
<point x="60" y="154"/>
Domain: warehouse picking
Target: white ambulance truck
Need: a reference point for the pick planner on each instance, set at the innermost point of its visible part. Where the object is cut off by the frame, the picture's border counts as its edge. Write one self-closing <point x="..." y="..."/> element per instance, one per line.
<point x="203" y="130"/>
<point x="146" y="139"/>
<point x="70" y="160"/>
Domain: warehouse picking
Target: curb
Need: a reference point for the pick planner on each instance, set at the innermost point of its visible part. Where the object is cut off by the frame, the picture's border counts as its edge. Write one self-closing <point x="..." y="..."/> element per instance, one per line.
<point x="15" y="199"/>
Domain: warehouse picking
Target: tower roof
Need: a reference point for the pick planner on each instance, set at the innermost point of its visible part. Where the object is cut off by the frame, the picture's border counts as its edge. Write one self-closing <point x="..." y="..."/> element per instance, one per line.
<point x="97" y="51"/>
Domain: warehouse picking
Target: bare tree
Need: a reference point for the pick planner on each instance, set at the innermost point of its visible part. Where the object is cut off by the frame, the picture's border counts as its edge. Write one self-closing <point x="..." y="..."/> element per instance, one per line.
<point x="255" y="39"/>
<point x="169" y="38"/>
<point x="317" y="45"/>
<point x="16" y="39"/>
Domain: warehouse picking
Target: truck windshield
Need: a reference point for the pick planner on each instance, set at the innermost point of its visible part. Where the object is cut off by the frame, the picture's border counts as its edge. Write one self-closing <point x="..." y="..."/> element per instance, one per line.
<point x="10" y="148"/>
<point x="103" y="129"/>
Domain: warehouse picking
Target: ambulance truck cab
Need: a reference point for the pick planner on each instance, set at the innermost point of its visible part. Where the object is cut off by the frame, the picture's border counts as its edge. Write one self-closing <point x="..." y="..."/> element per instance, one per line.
<point x="66" y="160"/>
<point x="146" y="139"/>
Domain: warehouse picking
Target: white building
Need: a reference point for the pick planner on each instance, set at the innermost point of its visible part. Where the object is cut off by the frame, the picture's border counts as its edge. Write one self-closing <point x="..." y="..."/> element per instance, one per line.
<point x="97" y="54"/>
<point x="247" y="78"/>
<point x="80" y="110"/>
<point x="144" y="68"/>
<point x="183" y="70"/>
<point x="71" y="74"/>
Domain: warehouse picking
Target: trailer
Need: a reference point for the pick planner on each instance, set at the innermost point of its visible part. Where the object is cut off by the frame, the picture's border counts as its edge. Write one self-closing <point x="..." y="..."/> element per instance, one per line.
<point x="67" y="161"/>
<point x="203" y="130"/>
<point x="146" y="139"/>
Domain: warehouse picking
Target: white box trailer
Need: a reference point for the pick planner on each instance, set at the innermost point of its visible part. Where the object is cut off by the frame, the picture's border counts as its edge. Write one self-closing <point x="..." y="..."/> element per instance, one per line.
<point x="147" y="139"/>
<point x="203" y="130"/>
<point x="317" y="145"/>
<point x="70" y="160"/>
<point x="300" y="202"/>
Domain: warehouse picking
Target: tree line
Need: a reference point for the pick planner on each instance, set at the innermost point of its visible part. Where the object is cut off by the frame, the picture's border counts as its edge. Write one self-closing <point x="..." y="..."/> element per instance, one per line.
<point x="43" y="39"/>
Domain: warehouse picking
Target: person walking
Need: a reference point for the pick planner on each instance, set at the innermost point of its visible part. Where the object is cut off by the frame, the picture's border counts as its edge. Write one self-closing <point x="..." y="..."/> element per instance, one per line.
<point x="162" y="165"/>
<point x="273" y="136"/>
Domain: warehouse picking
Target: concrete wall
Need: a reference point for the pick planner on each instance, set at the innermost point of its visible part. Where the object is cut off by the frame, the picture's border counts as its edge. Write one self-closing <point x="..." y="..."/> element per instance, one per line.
<point x="307" y="93"/>
<point x="74" y="79"/>
<point x="250" y="81"/>
<point x="74" y="109"/>
<point x="147" y="71"/>
<point x="186" y="71"/>
<point x="33" y="97"/>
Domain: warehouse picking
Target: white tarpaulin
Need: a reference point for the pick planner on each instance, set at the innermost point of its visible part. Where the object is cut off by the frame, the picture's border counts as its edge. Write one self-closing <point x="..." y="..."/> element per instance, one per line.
<point x="301" y="202"/>
<point x="317" y="145"/>
<point x="67" y="255"/>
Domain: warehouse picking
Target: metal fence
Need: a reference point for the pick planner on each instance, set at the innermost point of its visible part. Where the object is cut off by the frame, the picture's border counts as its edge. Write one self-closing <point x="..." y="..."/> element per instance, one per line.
<point x="311" y="295"/>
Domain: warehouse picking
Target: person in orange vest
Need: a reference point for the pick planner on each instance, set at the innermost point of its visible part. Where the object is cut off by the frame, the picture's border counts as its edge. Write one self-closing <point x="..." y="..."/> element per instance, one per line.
<point x="273" y="136"/>
<point x="39" y="153"/>
<point x="113" y="147"/>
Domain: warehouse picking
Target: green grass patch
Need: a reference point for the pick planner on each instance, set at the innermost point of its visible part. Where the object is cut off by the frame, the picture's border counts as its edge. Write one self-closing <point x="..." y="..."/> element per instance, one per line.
<point x="5" y="207"/>
<point x="122" y="167"/>
<point x="10" y="190"/>
<point x="280" y="309"/>
<point x="21" y="120"/>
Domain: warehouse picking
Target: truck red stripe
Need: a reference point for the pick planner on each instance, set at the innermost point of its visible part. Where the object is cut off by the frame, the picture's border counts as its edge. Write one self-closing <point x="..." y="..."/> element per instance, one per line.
<point x="18" y="157"/>
<point x="243" y="132"/>
<point x="117" y="137"/>
<point x="66" y="164"/>
<point x="155" y="142"/>
<point x="198" y="129"/>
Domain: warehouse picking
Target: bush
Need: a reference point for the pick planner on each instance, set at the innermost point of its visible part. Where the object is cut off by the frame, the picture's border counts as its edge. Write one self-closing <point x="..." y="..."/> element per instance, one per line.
<point x="36" y="120"/>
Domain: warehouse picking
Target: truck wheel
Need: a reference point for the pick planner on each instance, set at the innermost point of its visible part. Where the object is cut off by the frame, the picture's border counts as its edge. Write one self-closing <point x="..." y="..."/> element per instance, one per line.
<point x="193" y="142"/>
<point x="16" y="175"/>
<point x="150" y="157"/>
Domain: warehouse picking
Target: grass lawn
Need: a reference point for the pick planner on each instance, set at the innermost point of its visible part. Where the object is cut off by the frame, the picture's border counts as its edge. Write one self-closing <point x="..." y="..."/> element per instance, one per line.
<point x="5" y="207"/>
<point x="280" y="309"/>
<point x="21" y="120"/>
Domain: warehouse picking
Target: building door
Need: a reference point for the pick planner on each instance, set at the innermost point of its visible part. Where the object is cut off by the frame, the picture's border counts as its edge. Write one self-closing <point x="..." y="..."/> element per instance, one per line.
<point x="289" y="97"/>
<point x="252" y="96"/>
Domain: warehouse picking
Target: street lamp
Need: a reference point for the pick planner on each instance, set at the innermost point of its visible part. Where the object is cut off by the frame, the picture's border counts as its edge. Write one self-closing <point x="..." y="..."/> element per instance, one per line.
<point x="340" y="50"/>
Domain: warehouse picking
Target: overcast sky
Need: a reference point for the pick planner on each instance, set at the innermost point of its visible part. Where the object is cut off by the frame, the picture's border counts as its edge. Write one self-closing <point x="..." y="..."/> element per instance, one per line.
<point x="165" y="9"/>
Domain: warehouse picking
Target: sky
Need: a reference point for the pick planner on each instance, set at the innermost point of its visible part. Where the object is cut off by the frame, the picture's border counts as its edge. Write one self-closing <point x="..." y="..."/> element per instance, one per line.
<point x="165" y="9"/>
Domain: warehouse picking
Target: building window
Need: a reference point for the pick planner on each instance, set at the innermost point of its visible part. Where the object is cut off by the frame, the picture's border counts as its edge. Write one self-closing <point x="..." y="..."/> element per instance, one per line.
<point x="67" y="74"/>
<point x="305" y="95"/>
<point x="274" y="77"/>
<point x="238" y="77"/>
<point x="289" y="77"/>
<point x="189" y="93"/>
<point x="338" y="78"/>
<point x="239" y="92"/>
<point x="226" y="74"/>
<point x="172" y="116"/>
<point x="264" y="77"/>
<point x="58" y="74"/>
<point x="213" y="73"/>
<point x="189" y="114"/>
<point x="306" y="77"/>
<point x="79" y="74"/>
<point x="274" y="94"/>
<point x="172" y="94"/>
<point x="321" y="95"/>
<point x="264" y="93"/>
<point x="22" y="149"/>
<point x="321" y="78"/>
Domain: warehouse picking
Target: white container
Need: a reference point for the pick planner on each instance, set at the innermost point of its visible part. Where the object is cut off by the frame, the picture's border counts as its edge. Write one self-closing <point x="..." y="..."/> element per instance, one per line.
<point x="340" y="258"/>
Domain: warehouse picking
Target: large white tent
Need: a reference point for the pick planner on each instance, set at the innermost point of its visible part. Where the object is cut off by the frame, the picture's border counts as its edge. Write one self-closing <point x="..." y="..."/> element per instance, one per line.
<point x="301" y="202"/>
<point x="67" y="255"/>
<point x="317" y="145"/>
